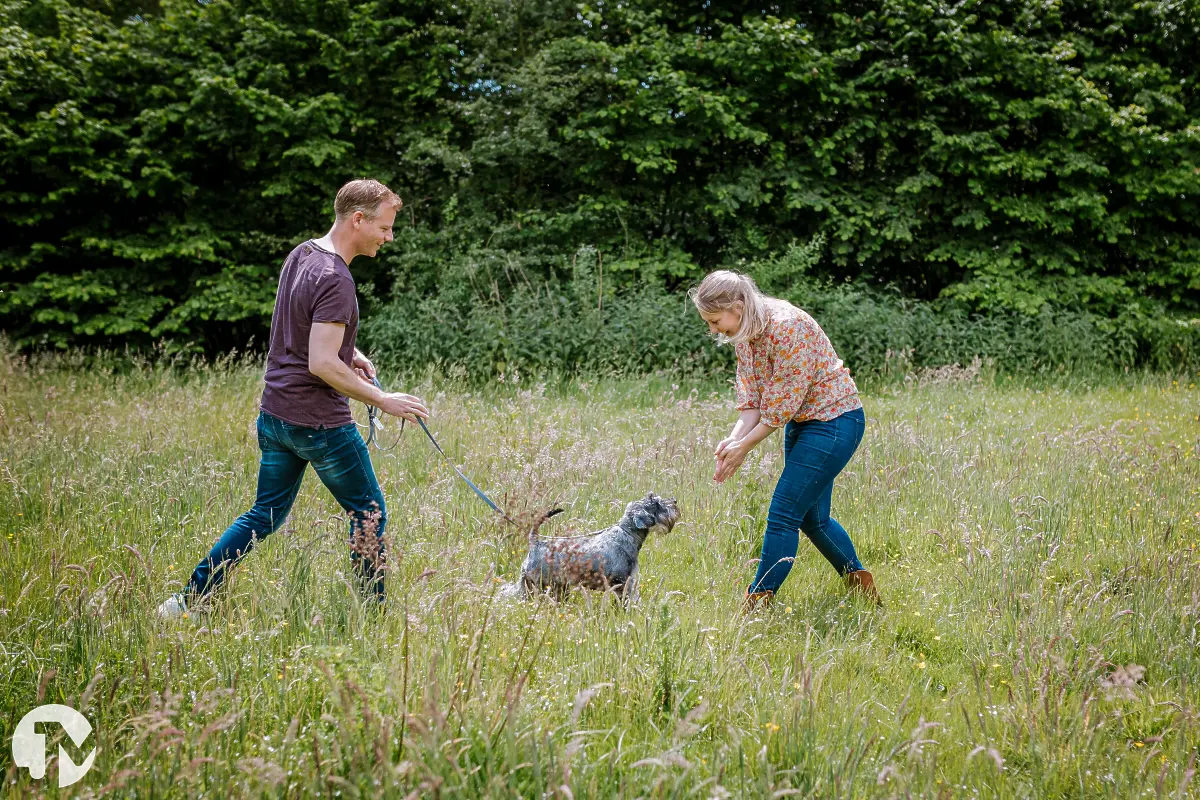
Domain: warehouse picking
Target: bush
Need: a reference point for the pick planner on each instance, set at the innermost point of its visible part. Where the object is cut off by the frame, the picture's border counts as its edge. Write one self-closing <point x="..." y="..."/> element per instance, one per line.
<point x="562" y="330"/>
<point x="545" y="332"/>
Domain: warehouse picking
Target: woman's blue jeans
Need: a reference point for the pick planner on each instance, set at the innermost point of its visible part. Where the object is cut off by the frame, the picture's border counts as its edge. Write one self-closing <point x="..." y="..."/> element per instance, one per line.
<point x="814" y="452"/>
<point x="343" y="464"/>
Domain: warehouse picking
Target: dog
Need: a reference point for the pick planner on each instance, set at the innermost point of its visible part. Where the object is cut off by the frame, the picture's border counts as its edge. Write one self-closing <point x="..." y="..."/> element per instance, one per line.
<point x="604" y="560"/>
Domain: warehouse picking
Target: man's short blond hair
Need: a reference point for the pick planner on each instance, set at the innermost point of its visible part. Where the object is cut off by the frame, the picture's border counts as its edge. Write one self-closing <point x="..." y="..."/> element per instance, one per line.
<point x="365" y="195"/>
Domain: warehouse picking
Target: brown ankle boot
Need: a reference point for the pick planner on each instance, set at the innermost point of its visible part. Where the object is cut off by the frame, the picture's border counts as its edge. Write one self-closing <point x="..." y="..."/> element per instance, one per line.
<point x="861" y="581"/>
<point x="753" y="599"/>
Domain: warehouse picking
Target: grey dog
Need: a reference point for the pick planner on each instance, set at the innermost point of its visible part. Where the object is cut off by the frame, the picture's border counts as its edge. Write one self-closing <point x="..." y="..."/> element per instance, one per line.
<point x="607" y="559"/>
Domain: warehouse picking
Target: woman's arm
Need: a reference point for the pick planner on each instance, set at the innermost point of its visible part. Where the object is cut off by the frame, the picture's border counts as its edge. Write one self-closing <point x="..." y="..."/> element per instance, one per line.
<point x="760" y="431"/>
<point x="745" y="423"/>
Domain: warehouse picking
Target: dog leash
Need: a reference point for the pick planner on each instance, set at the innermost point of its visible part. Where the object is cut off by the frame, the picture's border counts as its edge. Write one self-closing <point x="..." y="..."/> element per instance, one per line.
<point x="373" y="423"/>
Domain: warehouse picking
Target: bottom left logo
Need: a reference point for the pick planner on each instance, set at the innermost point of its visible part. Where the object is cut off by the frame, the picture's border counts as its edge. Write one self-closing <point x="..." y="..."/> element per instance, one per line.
<point x="29" y="743"/>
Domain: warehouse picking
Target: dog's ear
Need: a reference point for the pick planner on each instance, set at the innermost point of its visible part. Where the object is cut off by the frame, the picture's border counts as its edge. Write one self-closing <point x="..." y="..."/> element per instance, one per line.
<point x="642" y="516"/>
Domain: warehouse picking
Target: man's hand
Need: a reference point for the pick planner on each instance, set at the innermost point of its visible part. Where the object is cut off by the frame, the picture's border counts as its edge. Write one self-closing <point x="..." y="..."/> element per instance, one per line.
<point x="362" y="366"/>
<point x="403" y="405"/>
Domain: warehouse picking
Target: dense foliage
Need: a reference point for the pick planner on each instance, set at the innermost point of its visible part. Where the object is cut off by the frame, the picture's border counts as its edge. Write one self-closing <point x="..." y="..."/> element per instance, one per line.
<point x="1017" y="160"/>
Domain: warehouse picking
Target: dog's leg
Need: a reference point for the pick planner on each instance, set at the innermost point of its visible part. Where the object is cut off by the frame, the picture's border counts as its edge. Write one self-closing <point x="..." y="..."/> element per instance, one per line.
<point x="630" y="590"/>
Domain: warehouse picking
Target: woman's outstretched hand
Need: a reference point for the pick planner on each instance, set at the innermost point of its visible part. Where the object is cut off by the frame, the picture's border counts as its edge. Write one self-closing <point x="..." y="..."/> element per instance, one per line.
<point x="723" y="444"/>
<point x="730" y="456"/>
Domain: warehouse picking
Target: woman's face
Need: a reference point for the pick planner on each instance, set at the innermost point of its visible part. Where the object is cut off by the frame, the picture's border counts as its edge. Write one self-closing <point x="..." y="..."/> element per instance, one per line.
<point x="726" y="321"/>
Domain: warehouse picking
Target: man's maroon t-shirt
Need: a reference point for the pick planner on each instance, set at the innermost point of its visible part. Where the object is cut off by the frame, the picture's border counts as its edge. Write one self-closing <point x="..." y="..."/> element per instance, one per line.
<point x="315" y="286"/>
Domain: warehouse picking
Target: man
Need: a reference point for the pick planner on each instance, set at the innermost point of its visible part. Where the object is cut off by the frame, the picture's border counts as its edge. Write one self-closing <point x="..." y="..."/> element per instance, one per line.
<point x="312" y="367"/>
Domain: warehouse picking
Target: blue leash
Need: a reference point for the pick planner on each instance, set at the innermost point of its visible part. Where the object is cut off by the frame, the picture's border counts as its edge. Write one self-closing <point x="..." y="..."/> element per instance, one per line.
<point x="373" y="422"/>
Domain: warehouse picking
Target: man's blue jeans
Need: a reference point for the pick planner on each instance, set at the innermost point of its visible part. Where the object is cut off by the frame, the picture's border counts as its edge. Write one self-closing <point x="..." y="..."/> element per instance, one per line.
<point x="343" y="464"/>
<point x="814" y="452"/>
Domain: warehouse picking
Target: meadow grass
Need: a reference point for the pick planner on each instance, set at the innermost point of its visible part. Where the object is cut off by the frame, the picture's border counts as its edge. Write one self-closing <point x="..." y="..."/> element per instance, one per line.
<point x="1036" y="549"/>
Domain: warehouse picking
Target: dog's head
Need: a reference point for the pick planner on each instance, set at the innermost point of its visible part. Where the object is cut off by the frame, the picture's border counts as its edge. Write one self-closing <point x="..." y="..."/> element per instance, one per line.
<point x="653" y="511"/>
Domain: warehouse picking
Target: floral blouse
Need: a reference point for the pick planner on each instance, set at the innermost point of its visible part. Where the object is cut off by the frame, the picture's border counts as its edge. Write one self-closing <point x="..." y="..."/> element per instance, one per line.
<point x="790" y="371"/>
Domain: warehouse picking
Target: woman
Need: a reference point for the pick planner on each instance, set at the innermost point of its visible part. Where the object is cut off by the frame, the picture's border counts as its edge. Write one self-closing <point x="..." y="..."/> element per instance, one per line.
<point x="788" y="376"/>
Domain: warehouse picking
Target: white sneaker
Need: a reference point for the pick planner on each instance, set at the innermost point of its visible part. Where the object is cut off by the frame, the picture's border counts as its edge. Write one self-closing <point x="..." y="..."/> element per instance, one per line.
<point x="174" y="607"/>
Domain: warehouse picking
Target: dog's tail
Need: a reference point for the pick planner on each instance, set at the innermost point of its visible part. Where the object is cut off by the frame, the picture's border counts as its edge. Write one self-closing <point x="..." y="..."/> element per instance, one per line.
<point x="541" y="520"/>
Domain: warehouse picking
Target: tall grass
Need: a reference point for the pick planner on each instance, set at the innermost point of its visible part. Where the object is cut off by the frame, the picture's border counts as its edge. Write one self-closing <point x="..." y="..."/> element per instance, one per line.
<point x="1036" y="549"/>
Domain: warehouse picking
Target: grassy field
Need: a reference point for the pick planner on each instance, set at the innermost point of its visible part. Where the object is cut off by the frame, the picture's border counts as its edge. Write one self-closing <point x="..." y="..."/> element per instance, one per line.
<point x="1036" y="549"/>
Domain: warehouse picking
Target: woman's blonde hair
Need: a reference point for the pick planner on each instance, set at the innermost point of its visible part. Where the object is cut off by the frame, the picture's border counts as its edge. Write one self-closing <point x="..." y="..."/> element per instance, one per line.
<point x="726" y="289"/>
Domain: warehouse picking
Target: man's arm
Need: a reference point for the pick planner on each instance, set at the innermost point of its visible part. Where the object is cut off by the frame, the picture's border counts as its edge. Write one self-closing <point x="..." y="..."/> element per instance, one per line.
<point x="324" y="342"/>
